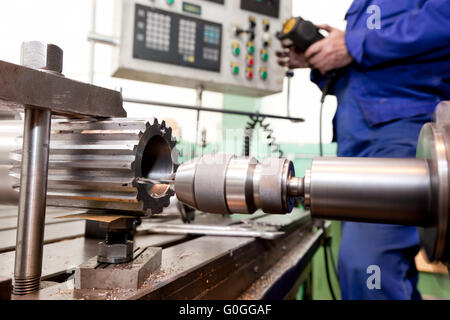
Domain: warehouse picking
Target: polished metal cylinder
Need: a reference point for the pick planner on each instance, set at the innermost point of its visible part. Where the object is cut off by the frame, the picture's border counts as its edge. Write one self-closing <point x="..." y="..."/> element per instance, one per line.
<point x="273" y="181"/>
<point x="32" y="201"/>
<point x="34" y="172"/>
<point x="227" y="184"/>
<point x="393" y="191"/>
<point x="296" y="187"/>
<point x="239" y="185"/>
<point x="210" y="182"/>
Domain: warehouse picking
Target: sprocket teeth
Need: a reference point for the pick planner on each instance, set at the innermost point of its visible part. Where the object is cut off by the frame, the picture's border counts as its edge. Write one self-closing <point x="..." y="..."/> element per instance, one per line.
<point x="155" y="205"/>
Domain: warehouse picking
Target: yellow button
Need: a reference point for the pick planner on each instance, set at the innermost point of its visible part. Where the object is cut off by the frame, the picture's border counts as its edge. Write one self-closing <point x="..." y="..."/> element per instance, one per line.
<point x="289" y="25"/>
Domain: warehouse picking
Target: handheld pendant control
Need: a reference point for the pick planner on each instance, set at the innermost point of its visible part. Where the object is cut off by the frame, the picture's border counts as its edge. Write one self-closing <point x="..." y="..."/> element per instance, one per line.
<point x="299" y="33"/>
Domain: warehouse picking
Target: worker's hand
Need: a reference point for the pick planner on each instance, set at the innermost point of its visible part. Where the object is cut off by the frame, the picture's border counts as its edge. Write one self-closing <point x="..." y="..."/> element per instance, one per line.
<point x="292" y="58"/>
<point x="329" y="53"/>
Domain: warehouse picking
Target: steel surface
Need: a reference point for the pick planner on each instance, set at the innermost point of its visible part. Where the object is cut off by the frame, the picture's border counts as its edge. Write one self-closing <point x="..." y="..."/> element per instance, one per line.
<point x="94" y="164"/>
<point x="20" y="86"/>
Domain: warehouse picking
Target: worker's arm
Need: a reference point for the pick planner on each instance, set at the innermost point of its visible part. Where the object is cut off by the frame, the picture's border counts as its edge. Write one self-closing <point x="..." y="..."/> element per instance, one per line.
<point x="327" y="55"/>
<point x="411" y="35"/>
<point x="322" y="57"/>
<point x="330" y="53"/>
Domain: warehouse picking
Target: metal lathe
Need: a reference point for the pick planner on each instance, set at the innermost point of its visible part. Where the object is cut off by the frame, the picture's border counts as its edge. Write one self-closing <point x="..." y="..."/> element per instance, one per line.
<point x="112" y="178"/>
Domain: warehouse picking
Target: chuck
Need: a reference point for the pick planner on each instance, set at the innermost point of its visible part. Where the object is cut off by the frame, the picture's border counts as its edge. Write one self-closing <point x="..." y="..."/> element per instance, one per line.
<point x="227" y="184"/>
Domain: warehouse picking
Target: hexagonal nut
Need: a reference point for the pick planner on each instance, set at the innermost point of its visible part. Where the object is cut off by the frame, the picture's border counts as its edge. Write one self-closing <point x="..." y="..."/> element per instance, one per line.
<point x="115" y="253"/>
<point x="40" y="55"/>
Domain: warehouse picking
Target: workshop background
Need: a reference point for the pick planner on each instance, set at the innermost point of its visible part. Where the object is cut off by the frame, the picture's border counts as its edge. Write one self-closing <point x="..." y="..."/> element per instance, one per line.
<point x="67" y="23"/>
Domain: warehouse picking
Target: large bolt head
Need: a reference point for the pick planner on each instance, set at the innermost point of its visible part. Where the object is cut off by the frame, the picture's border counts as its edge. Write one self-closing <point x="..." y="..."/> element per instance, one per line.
<point x="40" y="55"/>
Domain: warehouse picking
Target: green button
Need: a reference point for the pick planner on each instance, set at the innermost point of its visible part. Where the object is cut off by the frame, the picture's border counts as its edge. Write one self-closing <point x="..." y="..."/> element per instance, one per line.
<point x="251" y="49"/>
<point x="236" y="70"/>
<point x="264" y="75"/>
<point x="265" y="56"/>
<point x="237" y="51"/>
<point x="170" y="1"/>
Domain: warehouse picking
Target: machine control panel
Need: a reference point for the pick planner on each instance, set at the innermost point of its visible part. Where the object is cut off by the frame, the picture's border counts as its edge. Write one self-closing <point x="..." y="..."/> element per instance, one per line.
<point x="222" y="45"/>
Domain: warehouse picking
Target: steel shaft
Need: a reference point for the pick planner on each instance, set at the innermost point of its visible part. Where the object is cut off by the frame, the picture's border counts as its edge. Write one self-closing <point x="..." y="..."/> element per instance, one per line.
<point x="34" y="171"/>
<point x="393" y="191"/>
<point x="32" y="201"/>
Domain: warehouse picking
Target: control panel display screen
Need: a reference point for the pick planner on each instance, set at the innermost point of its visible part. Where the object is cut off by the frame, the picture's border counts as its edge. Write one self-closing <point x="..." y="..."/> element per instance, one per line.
<point x="172" y="38"/>
<point x="269" y="8"/>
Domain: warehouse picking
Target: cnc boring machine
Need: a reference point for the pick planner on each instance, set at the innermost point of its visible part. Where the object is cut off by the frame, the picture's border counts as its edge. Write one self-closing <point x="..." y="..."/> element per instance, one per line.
<point x="92" y="163"/>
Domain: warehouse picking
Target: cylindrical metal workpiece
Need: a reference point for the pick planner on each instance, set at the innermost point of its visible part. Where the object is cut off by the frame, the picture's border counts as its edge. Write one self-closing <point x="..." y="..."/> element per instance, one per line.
<point x="97" y="164"/>
<point x="9" y="141"/>
<point x="239" y="185"/>
<point x="272" y="189"/>
<point x="210" y="182"/>
<point x="296" y="187"/>
<point x="395" y="191"/>
<point x="32" y="201"/>
<point x="228" y="184"/>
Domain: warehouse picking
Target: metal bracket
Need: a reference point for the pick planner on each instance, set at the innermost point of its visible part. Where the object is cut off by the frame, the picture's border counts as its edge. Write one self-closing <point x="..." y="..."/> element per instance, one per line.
<point x="20" y="86"/>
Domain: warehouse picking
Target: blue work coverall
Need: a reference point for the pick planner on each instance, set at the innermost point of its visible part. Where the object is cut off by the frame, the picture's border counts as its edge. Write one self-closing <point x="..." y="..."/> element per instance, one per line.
<point x="400" y="72"/>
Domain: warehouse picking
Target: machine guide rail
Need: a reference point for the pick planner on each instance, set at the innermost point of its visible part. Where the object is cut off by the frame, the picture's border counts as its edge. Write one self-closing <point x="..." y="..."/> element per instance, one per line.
<point x="208" y="109"/>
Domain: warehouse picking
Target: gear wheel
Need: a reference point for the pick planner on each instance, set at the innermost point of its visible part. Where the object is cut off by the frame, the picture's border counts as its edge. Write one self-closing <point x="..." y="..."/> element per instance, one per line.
<point x="155" y="160"/>
<point x="94" y="164"/>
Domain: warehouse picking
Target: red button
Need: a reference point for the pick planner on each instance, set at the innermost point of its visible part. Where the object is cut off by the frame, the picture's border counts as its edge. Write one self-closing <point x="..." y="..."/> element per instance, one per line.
<point x="250" y="75"/>
<point x="251" y="62"/>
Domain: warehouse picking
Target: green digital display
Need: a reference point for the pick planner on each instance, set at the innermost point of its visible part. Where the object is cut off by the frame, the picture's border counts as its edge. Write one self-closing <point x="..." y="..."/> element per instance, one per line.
<point x="192" y="8"/>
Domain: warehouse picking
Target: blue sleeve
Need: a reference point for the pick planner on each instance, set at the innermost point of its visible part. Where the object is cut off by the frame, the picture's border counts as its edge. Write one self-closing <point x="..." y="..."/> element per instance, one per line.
<point x="412" y="34"/>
